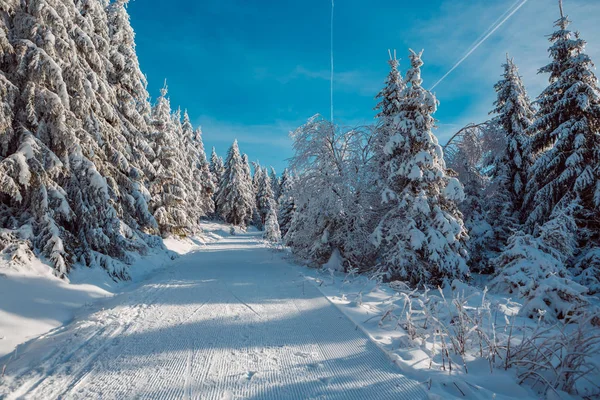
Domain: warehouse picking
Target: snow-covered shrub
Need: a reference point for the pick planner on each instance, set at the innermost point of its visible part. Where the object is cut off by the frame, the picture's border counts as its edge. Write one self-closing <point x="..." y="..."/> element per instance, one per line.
<point x="16" y="248"/>
<point x="534" y="267"/>
<point x="331" y="194"/>
<point x="587" y="270"/>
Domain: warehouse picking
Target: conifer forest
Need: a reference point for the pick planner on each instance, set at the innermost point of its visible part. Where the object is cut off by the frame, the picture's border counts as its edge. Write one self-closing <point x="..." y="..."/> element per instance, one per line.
<point x="381" y="262"/>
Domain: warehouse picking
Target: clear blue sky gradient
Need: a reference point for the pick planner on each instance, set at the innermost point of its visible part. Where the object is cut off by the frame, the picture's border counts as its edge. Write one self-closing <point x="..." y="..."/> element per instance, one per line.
<point x="256" y="69"/>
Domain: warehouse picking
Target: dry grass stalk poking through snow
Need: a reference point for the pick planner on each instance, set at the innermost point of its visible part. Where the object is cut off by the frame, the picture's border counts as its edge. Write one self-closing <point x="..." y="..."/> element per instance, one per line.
<point x="467" y="334"/>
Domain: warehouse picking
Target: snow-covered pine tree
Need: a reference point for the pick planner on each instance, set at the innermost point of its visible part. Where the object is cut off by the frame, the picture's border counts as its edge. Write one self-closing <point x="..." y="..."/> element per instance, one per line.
<point x="134" y="110"/>
<point x="204" y="176"/>
<point x="216" y="168"/>
<point x="514" y="115"/>
<point x="272" y="233"/>
<point x="265" y="200"/>
<point x="275" y="183"/>
<point x="256" y="177"/>
<point x="168" y="188"/>
<point x="248" y="175"/>
<point x="188" y="170"/>
<point x="81" y="191"/>
<point x="390" y="99"/>
<point x="235" y="198"/>
<point x="257" y="220"/>
<point x="421" y="238"/>
<point x="534" y="267"/>
<point x="286" y="203"/>
<point x="200" y="185"/>
<point x="566" y="145"/>
<point x="391" y="95"/>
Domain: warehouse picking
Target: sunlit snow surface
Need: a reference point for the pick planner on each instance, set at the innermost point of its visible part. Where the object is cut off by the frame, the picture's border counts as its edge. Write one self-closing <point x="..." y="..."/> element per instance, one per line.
<point x="230" y="319"/>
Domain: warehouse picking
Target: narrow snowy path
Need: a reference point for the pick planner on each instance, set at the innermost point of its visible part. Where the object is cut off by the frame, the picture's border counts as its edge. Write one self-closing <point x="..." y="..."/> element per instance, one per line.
<point x="231" y="321"/>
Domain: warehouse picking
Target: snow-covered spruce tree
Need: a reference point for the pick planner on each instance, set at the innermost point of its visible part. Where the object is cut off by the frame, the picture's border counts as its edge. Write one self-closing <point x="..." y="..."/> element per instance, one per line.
<point x="257" y="220"/>
<point x="235" y="199"/>
<point x="566" y="145"/>
<point x="265" y="200"/>
<point x="200" y="185"/>
<point x="286" y="203"/>
<point x="216" y="169"/>
<point x="134" y="111"/>
<point x="421" y="238"/>
<point x="391" y="95"/>
<point x="204" y="176"/>
<point x="248" y="175"/>
<point x="256" y="177"/>
<point x="272" y="233"/>
<point x="168" y="188"/>
<point x="83" y="197"/>
<point x="275" y="183"/>
<point x="514" y="115"/>
<point x="390" y="98"/>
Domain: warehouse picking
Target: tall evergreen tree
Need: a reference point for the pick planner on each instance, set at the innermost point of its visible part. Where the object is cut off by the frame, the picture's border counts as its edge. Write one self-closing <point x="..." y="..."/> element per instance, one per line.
<point x="216" y="169"/>
<point x="203" y="176"/>
<point x="257" y="219"/>
<point x="235" y="197"/>
<point x="391" y="95"/>
<point x="421" y="237"/>
<point x="74" y="162"/>
<point x="168" y="188"/>
<point x="275" y="183"/>
<point x="514" y="115"/>
<point x="566" y="147"/>
<point x="272" y="232"/>
<point x="566" y="140"/>
<point x="390" y="100"/>
<point x="265" y="199"/>
<point x="286" y="203"/>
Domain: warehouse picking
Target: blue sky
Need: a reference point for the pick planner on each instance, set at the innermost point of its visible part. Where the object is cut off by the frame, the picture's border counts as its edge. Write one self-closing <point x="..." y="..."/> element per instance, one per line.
<point x="254" y="70"/>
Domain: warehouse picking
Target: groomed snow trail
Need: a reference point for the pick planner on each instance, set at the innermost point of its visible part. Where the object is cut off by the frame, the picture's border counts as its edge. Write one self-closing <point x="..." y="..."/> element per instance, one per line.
<point x="233" y="321"/>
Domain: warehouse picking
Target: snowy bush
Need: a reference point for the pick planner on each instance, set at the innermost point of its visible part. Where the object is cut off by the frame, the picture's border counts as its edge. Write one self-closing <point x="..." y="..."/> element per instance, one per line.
<point x="534" y="268"/>
<point x="331" y="195"/>
<point x="587" y="270"/>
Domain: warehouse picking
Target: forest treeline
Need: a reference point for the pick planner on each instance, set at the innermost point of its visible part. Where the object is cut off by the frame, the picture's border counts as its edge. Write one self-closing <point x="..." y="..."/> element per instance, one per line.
<point x="93" y="172"/>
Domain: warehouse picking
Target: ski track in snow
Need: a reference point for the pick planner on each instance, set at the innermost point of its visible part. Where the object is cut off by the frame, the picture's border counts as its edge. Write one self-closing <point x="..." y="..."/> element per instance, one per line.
<point x="233" y="321"/>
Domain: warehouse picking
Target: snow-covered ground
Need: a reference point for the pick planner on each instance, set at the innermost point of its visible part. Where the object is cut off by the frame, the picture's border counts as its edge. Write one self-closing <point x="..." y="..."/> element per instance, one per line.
<point x="33" y="301"/>
<point x="230" y="319"/>
<point x="409" y="325"/>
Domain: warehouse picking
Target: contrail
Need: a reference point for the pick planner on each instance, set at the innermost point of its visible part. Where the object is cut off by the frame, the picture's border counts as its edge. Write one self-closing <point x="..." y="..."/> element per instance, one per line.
<point x="480" y="42"/>
<point x="331" y="78"/>
<point x="494" y="24"/>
